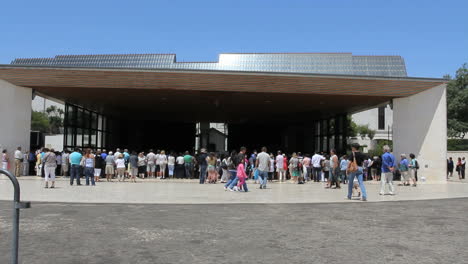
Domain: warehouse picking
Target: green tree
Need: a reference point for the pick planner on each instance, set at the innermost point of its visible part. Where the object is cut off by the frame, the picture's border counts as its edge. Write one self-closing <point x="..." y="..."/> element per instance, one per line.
<point x="39" y="122"/>
<point x="457" y="103"/>
<point x="55" y="116"/>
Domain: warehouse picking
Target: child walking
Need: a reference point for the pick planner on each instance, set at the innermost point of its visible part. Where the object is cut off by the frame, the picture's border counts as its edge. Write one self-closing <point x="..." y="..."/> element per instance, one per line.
<point x="242" y="176"/>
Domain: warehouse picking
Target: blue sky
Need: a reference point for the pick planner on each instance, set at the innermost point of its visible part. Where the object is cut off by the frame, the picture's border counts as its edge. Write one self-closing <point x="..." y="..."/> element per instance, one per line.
<point x="432" y="36"/>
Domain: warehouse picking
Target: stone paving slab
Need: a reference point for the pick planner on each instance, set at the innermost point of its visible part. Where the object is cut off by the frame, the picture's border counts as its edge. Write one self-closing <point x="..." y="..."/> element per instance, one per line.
<point x="190" y="192"/>
<point x="430" y="232"/>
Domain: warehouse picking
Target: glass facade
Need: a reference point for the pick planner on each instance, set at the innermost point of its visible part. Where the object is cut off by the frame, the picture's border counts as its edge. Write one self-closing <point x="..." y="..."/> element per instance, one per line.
<point x="320" y="63"/>
<point x="84" y="128"/>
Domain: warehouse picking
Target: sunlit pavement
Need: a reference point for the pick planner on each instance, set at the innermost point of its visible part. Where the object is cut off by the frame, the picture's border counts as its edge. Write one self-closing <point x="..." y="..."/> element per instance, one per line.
<point x="190" y="192"/>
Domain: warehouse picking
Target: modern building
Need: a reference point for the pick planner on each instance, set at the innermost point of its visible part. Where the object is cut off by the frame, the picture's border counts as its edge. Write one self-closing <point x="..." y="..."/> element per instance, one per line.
<point x="290" y="101"/>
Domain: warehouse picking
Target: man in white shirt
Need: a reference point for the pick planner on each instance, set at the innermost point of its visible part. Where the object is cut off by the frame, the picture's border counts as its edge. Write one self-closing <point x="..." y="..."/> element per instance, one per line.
<point x="279" y="167"/>
<point x="262" y="164"/>
<point x="18" y="161"/>
<point x="317" y="166"/>
<point x="150" y="163"/>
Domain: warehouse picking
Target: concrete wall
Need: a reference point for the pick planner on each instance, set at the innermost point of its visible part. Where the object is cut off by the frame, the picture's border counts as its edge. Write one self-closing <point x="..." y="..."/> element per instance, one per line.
<point x="420" y="127"/>
<point x="371" y="117"/>
<point x="54" y="141"/>
<point x="15" y="117"/>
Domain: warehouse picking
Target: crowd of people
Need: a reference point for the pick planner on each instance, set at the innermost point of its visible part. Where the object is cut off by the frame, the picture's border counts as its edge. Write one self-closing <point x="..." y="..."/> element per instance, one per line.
<point x="233" y="170"/>
<point x="459" y="167"/>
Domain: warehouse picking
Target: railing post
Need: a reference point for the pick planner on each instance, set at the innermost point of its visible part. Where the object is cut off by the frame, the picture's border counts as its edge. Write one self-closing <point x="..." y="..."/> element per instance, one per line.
<point x="17" y="205"/>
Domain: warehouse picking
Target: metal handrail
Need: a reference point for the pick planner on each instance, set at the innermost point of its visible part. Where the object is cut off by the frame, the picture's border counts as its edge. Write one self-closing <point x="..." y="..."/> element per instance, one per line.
<point x="17" y="205"/>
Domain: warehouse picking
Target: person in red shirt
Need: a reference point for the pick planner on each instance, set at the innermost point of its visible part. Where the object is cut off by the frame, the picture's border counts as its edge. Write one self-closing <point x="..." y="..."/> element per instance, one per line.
<point x="285" y="165"/>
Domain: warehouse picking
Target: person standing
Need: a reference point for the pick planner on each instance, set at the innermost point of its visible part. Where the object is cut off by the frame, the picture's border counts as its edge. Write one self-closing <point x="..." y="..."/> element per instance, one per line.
<point x="463" y="168"/>
<point x="403" y="167"/>
<point x="120" y="164"/>
<point x="141" y="165"/>
<point x="75" y="169"/>
<point x="211" y="168"/>
<point x="89" y="163"/>
<point x="388" y="167"/>
<point x="98" y="164"/>
<point x="306" y="167"/>
<point x="18" y="161"/>
<point x="413" y="168"/>
<point x="355" y="170"/>
<point x="151" y="163"/>
<point x="180" y="168"/>
<point x="133" y="163"/>
<point x="317" y="166"/>
<point x="162" y="162"/>
<point x="294" y="168"/>
<point x="450" y="167"/>
<point x="271" y="174"/>
<point x="50" y="163"/>
<point x="110" y="162"/>
<point x="5" y="159"/>
<point x="38" y="163"/>
<point x="334" y="170"/>
<point x="25" y="171"/>
<point x="65" y="162"/>
<point x="203" y="165"/>
<point x="32" y="162"/>
<point x="171" y="164"/>
<point x="188" y="164"/>
<point x="343" y="167"/>
<point x="280" y="170"/>
<point x="262" y="163"/>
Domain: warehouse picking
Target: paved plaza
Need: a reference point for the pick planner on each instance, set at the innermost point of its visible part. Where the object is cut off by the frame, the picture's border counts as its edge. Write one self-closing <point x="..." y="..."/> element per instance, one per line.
<point x="181" y="221"/>
<point x="190" y="192"/>
<point x="431" y="231"/>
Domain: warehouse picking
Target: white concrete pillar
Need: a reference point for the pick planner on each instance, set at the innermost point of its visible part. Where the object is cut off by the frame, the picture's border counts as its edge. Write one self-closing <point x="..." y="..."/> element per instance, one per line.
<point x="420" y="127"/>
<point x="15" y="118"/>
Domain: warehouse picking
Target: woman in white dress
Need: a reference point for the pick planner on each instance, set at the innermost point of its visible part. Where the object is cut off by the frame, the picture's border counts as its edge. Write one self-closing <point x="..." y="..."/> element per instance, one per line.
<point x="162" y="162"/>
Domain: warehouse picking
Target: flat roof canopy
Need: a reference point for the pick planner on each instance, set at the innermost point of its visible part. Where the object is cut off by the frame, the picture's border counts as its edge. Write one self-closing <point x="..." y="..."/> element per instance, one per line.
<point x="223" y="96"/>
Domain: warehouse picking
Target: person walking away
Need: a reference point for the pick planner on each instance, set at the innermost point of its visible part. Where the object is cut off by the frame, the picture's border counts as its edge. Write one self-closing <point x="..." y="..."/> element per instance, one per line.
<point x="141" y="165"/>
<point x="262" y="163"/>
<point x="120" y="164"/>
<point x="355" y="170"/>
<point x="151" y="163"/>
<point x="317" y="166"/>
<point x="239" y="158"/>
<point x="343" y="167"/>
<point x="110" y="163"/>
<point x="75" y="166"/>
<point x="403" y="167"/>
<point x="171" y="164"/>
<point x="162" y="162"/>
<point x="50" y="163"/>
<point x="133" y="163"/>
<point x="388" y="167"/>
<point x="98" y="164"/>
<point x="203" y="165"/>
<point x="334" y="170"/>
<point x="413" y="168"/>
<point x="89" y="163"/>
<point x="18" y="161"/>
<point x="280" y="170"/>
<point x="242" y="176"/>
<point x="232" y="169"/>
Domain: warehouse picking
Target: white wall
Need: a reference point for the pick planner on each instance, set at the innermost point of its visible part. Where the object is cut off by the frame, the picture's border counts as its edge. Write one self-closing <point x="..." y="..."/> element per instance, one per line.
<point x="40" y="104"/>
<point x="371" y="117"/>
<point x="420" y="127"/>
<point x="54" y="141"/>
<point x="15" y="117"/>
